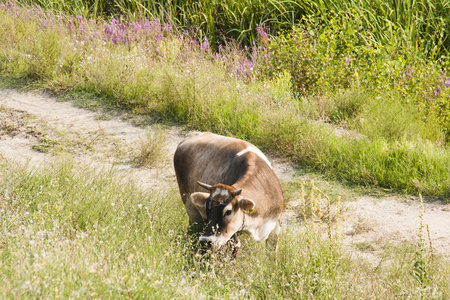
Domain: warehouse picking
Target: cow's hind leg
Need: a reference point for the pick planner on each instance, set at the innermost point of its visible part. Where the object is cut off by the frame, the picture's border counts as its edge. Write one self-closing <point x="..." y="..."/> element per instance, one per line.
<point x="272" y="240"/>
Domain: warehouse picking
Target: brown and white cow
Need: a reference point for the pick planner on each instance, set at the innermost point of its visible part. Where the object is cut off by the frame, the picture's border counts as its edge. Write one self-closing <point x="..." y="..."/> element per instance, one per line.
<point x="242" y="190"/>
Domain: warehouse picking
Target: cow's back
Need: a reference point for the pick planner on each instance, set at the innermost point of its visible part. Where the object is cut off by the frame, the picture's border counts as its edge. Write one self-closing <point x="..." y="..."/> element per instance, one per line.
<point x="209" y="158"/>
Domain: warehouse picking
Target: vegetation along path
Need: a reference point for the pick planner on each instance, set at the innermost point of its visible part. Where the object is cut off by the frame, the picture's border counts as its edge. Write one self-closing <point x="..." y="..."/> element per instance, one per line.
<point x="36" y="129"/>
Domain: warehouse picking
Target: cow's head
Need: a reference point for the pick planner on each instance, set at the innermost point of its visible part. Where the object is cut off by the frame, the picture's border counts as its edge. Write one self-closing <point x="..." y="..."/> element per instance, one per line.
<point x="224" y="210"/>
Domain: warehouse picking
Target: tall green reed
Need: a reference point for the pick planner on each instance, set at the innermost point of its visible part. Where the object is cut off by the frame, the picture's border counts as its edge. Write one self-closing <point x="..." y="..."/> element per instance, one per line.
<point x="420" y="24"/>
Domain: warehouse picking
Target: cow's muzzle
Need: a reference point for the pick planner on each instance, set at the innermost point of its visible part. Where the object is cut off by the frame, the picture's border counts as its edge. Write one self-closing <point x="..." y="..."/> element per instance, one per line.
<point x="209" y="241"/>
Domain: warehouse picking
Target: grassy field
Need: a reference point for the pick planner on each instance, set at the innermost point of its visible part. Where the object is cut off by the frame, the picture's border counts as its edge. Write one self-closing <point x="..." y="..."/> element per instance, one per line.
<point x="290" y="94"/>
<point x="72" y="231"/>
<point x="365" y="106"/>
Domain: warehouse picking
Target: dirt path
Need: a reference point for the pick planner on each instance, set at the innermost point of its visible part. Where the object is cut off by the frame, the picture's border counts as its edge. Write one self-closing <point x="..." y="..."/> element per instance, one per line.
<point x="35" y="129"/>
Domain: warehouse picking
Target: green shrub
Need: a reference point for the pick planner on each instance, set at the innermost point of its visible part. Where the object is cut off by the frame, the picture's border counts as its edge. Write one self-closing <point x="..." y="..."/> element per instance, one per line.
<point x="327" y="56"/>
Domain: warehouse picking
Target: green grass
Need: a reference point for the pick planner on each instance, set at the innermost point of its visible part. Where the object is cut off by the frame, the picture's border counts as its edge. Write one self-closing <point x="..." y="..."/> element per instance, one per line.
<point x="397" y="146"/>
<point x="72" y="231"/>
<point x="421" y="24"/>
<point x="79" y="232"/>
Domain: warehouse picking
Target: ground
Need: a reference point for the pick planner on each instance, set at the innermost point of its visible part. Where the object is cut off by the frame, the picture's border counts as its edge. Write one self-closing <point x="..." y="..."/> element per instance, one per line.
<point x="36" y="129"/>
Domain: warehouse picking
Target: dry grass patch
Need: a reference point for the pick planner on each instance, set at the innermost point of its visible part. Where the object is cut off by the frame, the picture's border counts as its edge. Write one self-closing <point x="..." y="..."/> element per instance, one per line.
<point x="152" y="148"/>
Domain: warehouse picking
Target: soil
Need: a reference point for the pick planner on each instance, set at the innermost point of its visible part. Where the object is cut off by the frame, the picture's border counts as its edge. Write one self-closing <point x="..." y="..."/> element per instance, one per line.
<point x="36" y="129"/>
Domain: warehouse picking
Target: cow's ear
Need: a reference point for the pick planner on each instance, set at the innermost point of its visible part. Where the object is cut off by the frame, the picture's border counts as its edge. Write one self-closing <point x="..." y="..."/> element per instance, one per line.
<point x="199" y="200"/>
<point x="247" y="205"/>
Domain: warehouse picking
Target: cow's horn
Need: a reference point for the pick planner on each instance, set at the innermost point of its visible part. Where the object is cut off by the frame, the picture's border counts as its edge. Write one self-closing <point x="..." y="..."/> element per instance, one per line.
<point x="237" y="192"/>
<point x="204" y="185"/>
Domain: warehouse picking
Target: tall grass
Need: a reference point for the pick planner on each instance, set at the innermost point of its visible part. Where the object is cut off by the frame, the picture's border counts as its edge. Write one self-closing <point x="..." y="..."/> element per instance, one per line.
<point x="146" y="68"/>
<point x="74" y="232"/>
<point x="218" y="21"/>
<point x="421" y="24"/>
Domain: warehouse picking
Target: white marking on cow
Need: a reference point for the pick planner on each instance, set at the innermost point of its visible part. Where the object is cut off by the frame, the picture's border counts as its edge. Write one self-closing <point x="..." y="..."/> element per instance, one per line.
<point x="219" y="192"/>
<point x="257" y="152"/>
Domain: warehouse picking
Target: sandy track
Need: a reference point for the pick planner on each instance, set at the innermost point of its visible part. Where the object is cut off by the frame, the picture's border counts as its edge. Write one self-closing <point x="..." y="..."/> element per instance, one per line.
<point x="371" y="222"/>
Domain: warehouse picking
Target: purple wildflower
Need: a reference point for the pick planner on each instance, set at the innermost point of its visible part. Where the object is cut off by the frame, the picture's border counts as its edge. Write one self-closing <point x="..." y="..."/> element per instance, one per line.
<point x="263" y="31"/>
<point x="205" y="45"/>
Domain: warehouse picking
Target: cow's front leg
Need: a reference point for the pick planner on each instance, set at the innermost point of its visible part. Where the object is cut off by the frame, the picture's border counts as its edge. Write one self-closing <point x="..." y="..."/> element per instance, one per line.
<point x="272" y="240"/>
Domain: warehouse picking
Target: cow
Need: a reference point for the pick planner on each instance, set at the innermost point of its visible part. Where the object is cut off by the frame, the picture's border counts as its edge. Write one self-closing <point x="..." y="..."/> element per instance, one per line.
<point x="230" y="184"/>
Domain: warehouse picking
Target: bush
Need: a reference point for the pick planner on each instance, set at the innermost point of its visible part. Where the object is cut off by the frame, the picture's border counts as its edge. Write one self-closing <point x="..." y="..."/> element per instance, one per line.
<point x="326" y="56"/>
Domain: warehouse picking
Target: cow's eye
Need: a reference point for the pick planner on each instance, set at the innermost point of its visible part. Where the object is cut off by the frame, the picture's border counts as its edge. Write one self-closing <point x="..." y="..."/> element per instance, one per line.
<point x="228" y="212"/>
